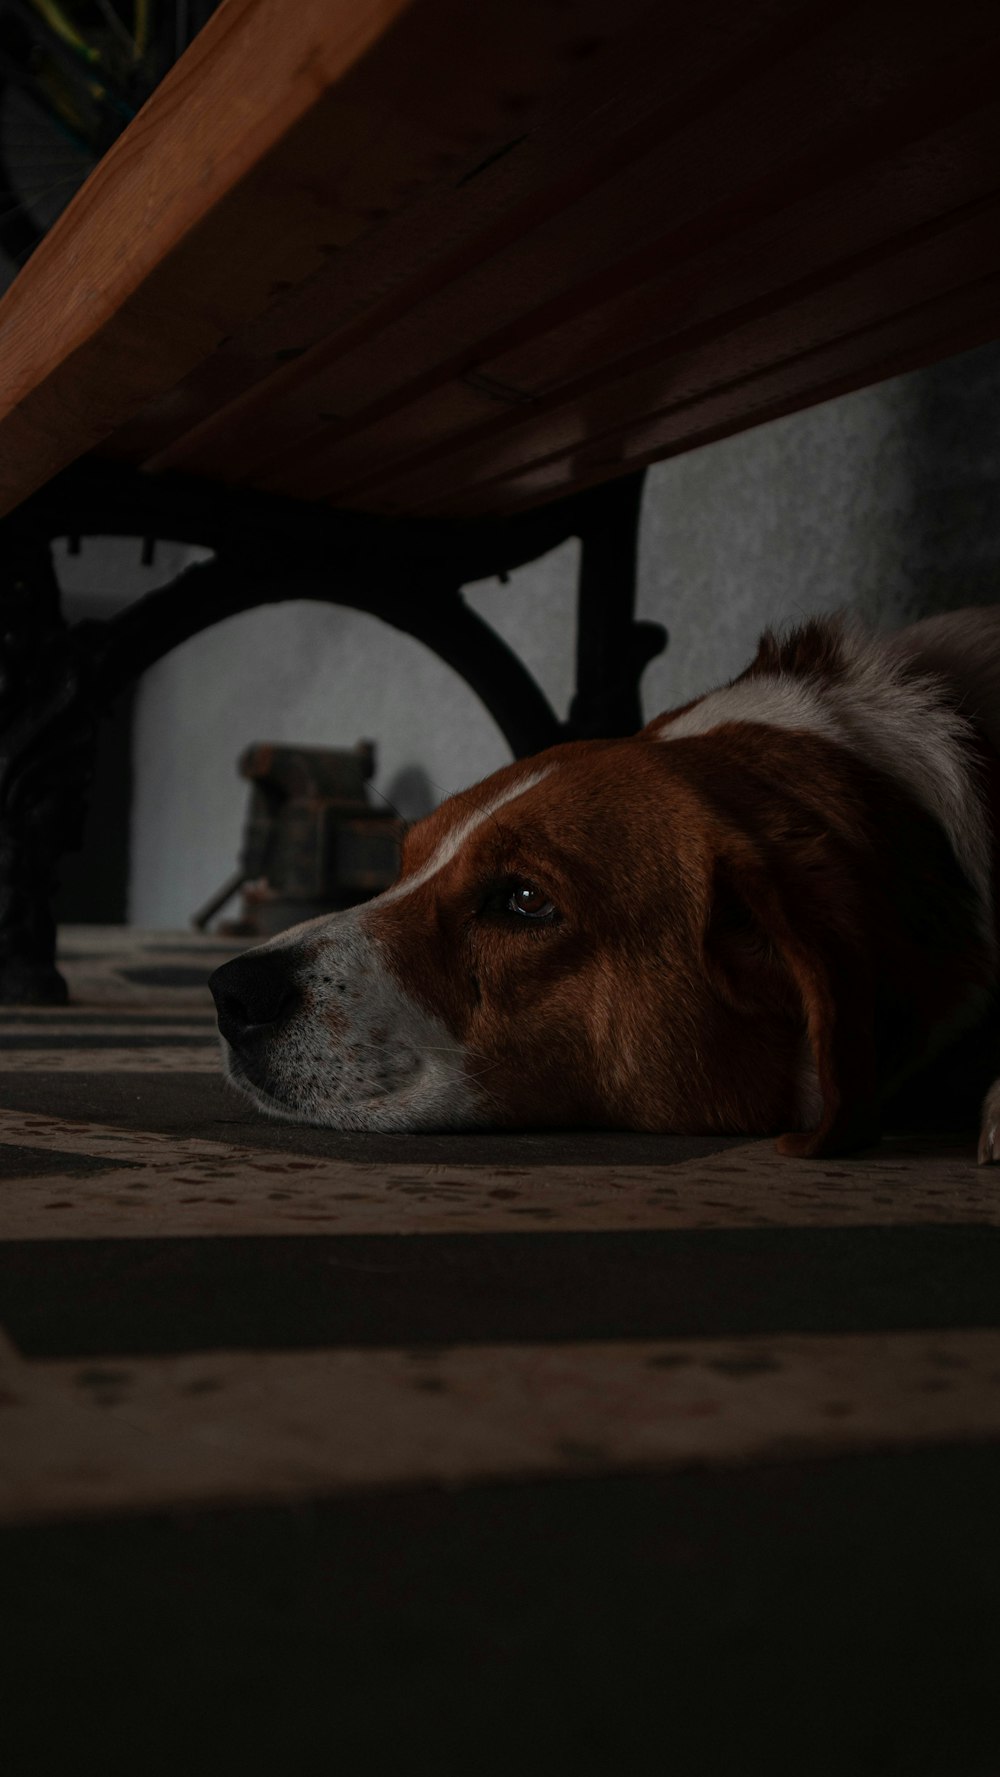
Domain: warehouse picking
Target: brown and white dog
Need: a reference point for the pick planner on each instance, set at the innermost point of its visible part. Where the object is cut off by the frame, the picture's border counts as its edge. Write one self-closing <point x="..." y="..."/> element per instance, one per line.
<point x="760" y="914"/>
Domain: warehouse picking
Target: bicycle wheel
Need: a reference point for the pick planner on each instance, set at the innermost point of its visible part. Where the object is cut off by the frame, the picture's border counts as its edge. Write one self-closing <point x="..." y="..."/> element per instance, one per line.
<point x="73" y="73"/>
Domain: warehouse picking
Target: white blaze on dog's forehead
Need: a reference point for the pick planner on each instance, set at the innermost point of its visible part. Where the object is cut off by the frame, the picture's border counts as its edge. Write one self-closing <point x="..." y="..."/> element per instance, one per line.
<point x="451" y="844"/>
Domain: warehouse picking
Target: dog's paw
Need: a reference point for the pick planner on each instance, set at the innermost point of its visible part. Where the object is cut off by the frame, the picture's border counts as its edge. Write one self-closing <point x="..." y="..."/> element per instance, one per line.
<point x="989" y="1127"/>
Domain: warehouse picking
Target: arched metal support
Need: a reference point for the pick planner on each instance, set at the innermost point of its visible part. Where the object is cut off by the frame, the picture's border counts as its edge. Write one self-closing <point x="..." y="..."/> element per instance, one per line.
<point x="55" y="682"/>
<point x="209" y="592"/>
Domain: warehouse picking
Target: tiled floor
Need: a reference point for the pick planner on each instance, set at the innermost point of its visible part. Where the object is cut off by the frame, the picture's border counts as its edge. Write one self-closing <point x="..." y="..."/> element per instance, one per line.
<point x="595" y="1452"/>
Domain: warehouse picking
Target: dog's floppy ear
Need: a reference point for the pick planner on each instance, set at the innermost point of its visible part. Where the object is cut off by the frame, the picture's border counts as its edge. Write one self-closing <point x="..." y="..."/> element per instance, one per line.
<point x="760" y="927"/>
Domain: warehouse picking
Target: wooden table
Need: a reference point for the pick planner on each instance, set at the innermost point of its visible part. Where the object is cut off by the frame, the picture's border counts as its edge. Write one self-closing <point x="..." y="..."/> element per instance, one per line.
<point x="395" y="295"/>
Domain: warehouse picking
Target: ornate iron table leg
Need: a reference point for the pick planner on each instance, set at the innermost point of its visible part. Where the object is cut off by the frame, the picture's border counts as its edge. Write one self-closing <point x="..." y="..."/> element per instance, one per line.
<point x="47" y="734"/>
<point x="612" y="649"/>
<point x="56" y="681"/>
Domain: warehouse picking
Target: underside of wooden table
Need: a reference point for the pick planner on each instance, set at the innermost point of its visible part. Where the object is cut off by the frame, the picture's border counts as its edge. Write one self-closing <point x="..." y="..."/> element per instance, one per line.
<point x="376" y="297"/>
<point x="441" y="258"/>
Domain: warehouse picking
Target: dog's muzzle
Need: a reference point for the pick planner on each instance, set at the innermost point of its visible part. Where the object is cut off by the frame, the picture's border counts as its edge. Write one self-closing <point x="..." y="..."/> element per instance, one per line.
<point x="318" y="1030"/>
<point x="255" y="996"/>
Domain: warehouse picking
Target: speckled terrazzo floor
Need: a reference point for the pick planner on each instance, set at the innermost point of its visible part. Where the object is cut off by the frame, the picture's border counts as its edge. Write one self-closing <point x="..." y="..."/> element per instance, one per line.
<point x="592" y="1452"/>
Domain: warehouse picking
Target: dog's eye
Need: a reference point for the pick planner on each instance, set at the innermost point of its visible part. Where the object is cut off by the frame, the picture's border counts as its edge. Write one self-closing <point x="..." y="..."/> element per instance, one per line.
<point x="530" y="901"/>
<point x="518" y="897"/>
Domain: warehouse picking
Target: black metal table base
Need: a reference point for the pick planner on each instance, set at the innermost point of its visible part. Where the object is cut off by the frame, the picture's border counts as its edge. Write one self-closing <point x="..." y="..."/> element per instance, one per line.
<point x="57" y="681"/>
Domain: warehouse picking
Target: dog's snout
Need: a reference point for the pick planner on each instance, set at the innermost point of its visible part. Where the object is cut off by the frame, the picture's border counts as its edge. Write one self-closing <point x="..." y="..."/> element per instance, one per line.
<point x="252" y="993"/>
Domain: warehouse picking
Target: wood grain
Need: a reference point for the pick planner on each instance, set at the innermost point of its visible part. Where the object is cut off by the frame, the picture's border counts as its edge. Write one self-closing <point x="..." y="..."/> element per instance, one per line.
<point x="424" y="257"/>
<point x="693" y="306"/>
<point x="283" y="135"/>
<point x="686" y="370"/>
<point x="691" y="186"/>
<point x="900" y="342"/>
<point x="663" y="65"/>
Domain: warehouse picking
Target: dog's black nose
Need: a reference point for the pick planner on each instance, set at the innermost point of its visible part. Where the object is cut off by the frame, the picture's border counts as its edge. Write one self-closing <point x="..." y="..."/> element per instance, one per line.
<point x="252" y="993"/>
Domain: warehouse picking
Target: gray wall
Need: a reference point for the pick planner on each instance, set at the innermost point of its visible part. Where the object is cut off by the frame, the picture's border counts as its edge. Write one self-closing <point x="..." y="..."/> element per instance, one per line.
<point x="886" y="501"/>
<point x="93" y="884"/>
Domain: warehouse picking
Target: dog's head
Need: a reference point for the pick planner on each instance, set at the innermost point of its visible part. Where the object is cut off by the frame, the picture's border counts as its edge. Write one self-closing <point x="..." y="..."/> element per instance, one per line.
<point x="583" y="939"/>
